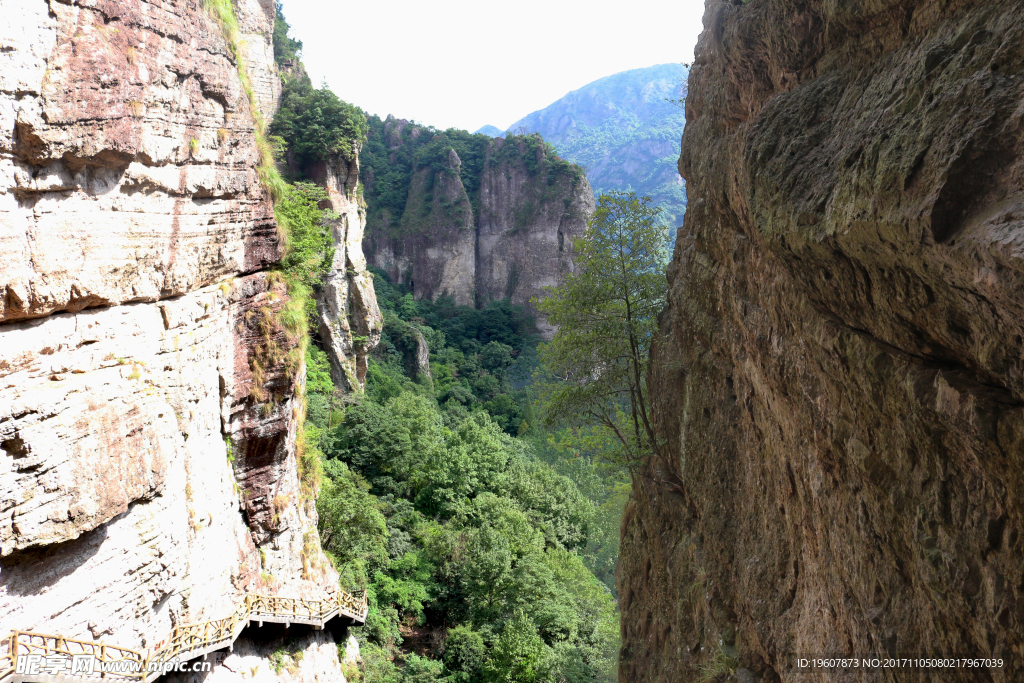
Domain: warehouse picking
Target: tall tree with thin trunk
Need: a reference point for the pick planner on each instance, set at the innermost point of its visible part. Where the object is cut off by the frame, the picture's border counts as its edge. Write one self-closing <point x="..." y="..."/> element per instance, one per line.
<point x="606" y="311"/>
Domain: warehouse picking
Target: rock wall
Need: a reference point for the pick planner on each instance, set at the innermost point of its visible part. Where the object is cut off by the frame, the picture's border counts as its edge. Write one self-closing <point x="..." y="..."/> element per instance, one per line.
<point x="148" y="472"/>
<point x="350" y="321"/>
<point x="839" y="375"/>
<point x="509" y="241"/>
<point x="256" y="35"/>
<point x="307" y="657"/>
<point x="526" y="228"/>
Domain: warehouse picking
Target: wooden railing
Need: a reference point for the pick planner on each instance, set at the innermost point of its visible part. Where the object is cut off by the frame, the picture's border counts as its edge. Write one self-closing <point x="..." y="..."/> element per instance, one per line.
<point x="56" y="658"/>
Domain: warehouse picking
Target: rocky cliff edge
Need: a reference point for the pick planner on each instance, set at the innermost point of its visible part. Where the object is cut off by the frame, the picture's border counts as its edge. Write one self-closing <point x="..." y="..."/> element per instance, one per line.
<point x="148" y="473"/>
<point x="839" y="377"/>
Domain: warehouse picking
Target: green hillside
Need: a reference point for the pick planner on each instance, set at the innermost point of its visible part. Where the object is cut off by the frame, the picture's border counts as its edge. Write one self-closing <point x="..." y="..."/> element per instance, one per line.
<point x="624" y="132"/>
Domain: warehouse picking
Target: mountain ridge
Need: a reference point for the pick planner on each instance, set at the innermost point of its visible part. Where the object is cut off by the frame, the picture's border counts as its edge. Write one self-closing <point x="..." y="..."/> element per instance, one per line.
<point x="624" y="130"/>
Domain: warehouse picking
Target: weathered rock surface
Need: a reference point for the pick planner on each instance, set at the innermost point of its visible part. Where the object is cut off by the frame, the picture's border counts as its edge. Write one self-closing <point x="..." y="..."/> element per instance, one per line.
<point x="350" y="321"/>
<point x="526" y="228"/>
<point x="310" y="658"/>
<point x="89" y="398"/>
<point x="127" y="157"/>
<point x="256" y="29"/>
<point x="516" y="239"/>
<point x="148" y="472"/>
<point x="436" y="246"/>
<point x="839" y="375"/>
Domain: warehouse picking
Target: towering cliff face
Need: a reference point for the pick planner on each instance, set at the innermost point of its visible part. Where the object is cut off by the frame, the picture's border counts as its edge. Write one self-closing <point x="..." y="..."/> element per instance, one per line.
<point x="350" y="321"/>
<point x="499" y="226"/>
<point x="526" y="227"/>
<point x="839" y="377"/>
<point x="148" y="472"/>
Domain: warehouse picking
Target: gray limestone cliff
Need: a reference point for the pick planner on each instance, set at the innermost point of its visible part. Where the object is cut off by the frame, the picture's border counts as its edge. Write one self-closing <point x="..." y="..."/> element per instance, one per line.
<point x="350" y="321"/>
<point x="497" y="226"/>
<point x="839" y="375"/>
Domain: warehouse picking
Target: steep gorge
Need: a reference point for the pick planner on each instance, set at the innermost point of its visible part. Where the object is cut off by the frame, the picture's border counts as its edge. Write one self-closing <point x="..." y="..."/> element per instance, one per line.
<point x="838" y="377"/>
<point x="149" y="388"/>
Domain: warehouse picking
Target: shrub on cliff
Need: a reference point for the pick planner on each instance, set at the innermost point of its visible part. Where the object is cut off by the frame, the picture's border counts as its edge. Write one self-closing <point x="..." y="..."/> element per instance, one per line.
<point x="286" y="49"/>
<point x="310" y="247"/>
<point x="316" y="124"/>
<point x="387" y="164"/>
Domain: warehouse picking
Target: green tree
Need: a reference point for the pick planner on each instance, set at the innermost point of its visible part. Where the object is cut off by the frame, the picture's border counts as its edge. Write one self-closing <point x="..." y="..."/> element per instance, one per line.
<point x="317" y="124"/>
<point x="517" y="654"/>
<point x="405" y="585"/>
<point x="606" y="312"/>
<point x="496" y="357"/>
<point x="285" y="48"/>
<point x="464" y="653"/>
<point x="310" y="244"/>
<point x="421" y="670"/>
<point x="352" y="528"/>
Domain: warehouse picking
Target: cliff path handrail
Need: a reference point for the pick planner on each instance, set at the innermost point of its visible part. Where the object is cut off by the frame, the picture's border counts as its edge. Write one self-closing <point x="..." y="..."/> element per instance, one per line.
<point x="65" y="658"/>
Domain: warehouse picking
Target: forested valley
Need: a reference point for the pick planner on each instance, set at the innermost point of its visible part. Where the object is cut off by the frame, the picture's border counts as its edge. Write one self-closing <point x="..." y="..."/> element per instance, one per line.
<point x="486" y="536"/>
<point x="488" y="549"/>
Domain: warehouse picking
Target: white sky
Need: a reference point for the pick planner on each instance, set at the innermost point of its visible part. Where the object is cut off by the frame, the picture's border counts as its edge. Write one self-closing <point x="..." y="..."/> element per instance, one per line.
<point x="467" y="63"/>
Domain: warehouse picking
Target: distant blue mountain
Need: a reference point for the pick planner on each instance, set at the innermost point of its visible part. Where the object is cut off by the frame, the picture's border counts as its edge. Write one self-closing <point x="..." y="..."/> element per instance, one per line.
<point x="493" y="131"/>
<point x="624" y="132"/>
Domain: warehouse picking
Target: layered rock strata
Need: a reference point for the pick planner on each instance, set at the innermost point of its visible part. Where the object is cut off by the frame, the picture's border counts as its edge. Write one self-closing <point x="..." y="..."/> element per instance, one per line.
<point x="148" y="409"/>
<point x="838" y="377"/>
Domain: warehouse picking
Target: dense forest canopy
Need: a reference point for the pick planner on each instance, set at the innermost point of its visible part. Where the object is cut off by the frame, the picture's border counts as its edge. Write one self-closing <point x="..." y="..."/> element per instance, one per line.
<point x="487" y="544"/>
<point x="480" y="539"/>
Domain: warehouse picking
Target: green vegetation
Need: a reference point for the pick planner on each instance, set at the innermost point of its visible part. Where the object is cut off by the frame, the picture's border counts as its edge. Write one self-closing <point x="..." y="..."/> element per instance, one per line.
<point x="389" y="161"/>
<point x="308" y="255"/>
<point x="310" y="244"/>
<point x="721" y="665"/>
<point x="286" y="49"/>
<point x="387" y="165"/>
<point x="481" y="539"/>
<point x="606" y="311"/>
<point x="315" y="124"/>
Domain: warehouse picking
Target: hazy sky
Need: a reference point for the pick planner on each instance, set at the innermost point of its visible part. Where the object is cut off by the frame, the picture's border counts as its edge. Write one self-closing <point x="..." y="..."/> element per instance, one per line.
<point x="467" y="63"/>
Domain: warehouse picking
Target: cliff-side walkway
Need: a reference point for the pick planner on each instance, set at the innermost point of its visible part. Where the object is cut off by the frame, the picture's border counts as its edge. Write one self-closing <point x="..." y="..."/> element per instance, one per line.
<point x="29" y="657"/>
